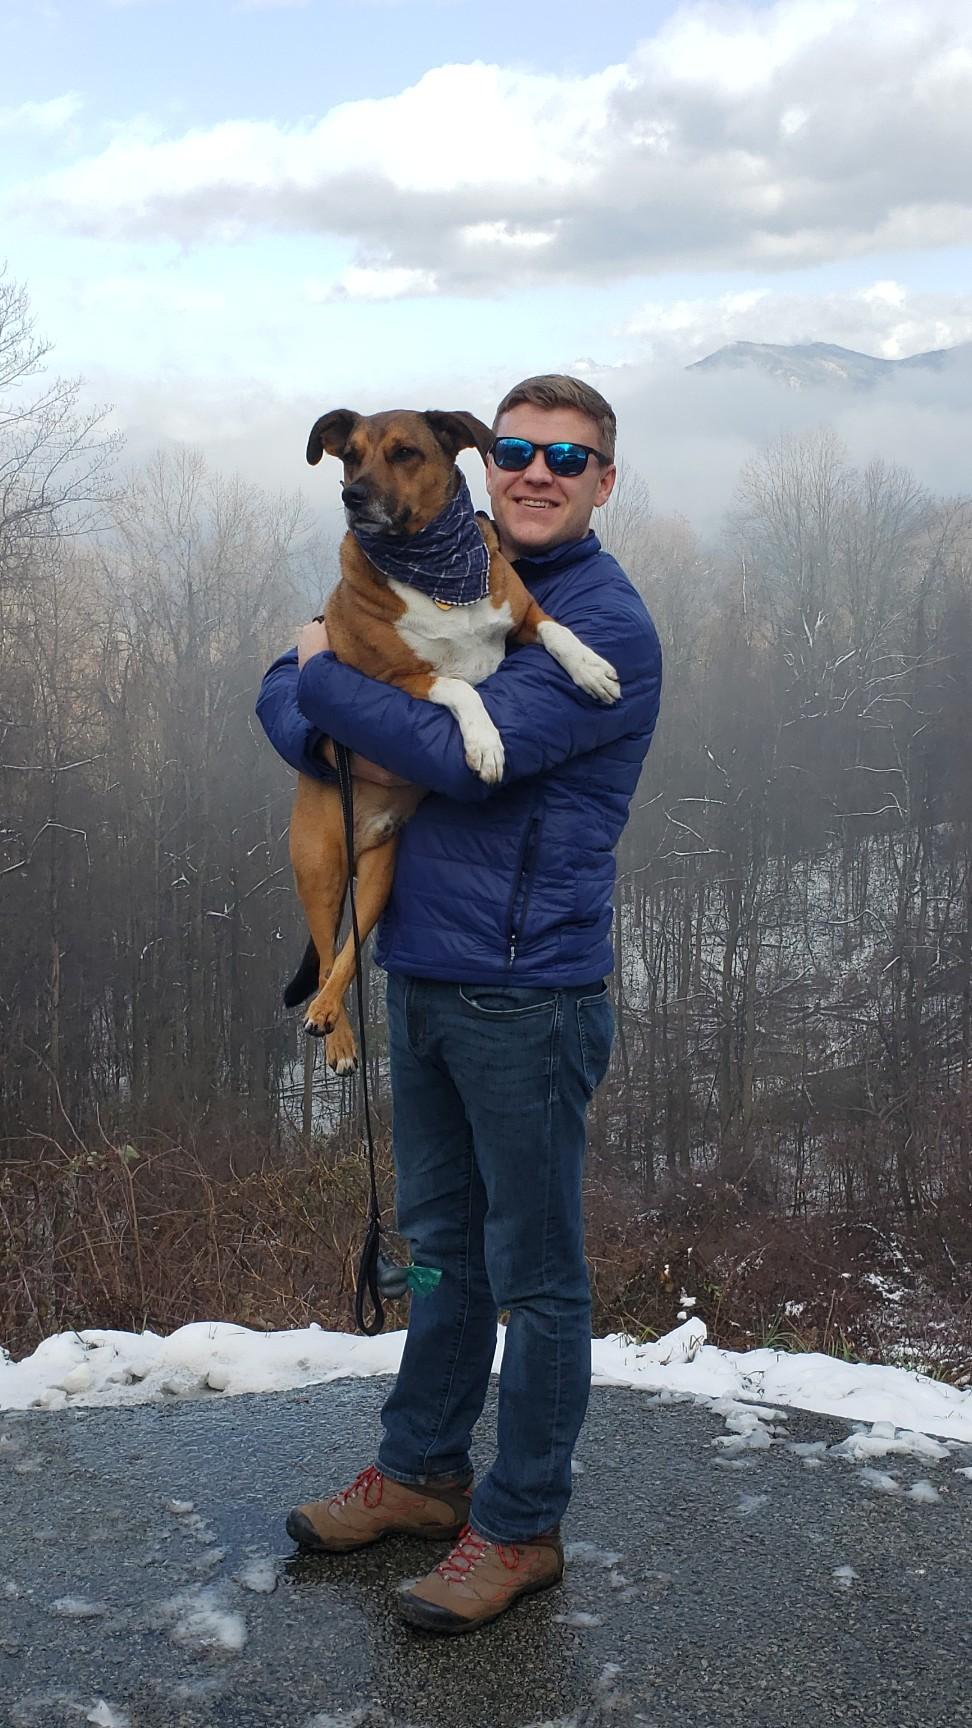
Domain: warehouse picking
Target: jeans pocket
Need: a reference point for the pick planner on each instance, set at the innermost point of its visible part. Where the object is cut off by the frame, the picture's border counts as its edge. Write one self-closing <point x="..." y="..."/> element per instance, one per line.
<point x="506" y="1001"/>
<point x="595" y="1028"/>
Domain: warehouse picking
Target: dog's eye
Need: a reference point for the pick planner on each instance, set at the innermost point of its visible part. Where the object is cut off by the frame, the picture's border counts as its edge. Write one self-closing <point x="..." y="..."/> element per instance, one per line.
<point x="404" y="453"/>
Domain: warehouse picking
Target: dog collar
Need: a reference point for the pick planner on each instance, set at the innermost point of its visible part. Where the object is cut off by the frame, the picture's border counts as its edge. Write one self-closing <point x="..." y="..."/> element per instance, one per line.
<point x="448" y="560"/>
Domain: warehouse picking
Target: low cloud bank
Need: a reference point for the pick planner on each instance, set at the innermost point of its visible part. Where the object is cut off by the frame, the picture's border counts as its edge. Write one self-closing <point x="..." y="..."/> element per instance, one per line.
<point x="687" y="434"/>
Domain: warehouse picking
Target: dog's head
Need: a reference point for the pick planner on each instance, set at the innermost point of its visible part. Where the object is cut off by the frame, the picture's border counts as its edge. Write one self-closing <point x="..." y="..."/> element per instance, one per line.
<point x="399" y="467"/>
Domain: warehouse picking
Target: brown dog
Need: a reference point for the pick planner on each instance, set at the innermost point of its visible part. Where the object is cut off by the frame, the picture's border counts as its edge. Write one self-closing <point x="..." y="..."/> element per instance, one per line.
<point x="399" y="477"/>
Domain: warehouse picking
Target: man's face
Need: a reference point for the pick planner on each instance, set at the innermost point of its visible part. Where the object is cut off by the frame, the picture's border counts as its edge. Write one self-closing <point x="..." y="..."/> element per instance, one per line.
<point x="534" y="509"/>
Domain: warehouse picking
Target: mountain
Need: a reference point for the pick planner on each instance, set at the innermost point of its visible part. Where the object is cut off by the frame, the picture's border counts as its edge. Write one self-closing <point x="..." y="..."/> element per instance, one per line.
<point x="803" y="364"/>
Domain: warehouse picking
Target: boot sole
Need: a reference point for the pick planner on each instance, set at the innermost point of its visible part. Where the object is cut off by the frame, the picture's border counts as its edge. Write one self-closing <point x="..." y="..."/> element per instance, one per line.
<point x="428" y="1617"/>
<point x="302" y="1531"/>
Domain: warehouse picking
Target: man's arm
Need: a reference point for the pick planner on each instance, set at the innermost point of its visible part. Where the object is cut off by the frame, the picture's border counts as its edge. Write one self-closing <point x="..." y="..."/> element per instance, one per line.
<point x="542" y="716"/>
<point x="305" y="747"/>
<point x="293" y="737"/>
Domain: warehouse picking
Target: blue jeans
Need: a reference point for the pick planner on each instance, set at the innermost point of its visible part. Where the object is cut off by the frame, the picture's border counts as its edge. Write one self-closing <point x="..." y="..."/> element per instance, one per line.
<point x="490" y="1088"/>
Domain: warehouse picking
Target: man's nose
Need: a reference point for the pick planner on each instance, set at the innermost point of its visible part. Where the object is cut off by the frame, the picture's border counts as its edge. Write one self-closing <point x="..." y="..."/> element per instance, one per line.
<point x="537" y="468"/>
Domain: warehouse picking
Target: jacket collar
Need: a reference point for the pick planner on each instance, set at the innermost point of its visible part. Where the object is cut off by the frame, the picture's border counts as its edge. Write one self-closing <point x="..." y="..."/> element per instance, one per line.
<point x="558" y="558"/>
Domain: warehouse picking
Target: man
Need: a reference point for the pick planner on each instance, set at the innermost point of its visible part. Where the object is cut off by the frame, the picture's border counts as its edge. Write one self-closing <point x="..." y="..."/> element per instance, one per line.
<point x="496" y="941"/>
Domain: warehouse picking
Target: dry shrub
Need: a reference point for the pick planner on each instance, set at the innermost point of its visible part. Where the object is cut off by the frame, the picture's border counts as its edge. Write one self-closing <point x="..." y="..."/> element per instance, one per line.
<point x="156" y="1237"/>
<point x="808" y="1283"/>
<point x="150" y="1237"/>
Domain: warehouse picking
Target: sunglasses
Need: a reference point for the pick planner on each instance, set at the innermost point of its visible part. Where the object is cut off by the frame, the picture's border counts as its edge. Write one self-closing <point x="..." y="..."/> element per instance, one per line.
<point x="564" y="460"/>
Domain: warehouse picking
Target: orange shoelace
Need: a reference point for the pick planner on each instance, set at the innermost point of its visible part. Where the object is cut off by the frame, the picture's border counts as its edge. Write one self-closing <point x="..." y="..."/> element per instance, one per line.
<point x="469" y="1550"/>
<point x="368" y="1479"/>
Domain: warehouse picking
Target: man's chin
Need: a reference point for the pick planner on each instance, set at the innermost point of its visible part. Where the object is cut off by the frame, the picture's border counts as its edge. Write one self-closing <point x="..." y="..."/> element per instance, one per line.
<point x="537" y="533"/>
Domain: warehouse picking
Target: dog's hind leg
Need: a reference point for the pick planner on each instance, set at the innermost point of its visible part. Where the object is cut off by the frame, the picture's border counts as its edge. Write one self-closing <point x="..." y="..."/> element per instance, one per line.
<point x="373" y="881"/>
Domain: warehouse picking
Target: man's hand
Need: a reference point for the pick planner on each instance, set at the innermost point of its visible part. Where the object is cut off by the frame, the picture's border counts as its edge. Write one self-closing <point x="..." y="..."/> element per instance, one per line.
<point x="312" y="639"/>
<point x="361" y="768"/>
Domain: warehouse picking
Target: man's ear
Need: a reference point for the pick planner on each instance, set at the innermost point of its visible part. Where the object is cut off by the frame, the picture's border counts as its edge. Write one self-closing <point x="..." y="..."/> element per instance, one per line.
<point x="330" y="433"/>
<point x="458" y="431"/>
<point x="605" y="485"/>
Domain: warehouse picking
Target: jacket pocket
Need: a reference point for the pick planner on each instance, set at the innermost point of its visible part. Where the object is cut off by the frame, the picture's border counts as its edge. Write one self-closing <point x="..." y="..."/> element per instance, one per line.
<point x="595" y="1031"/>
<point x="522" y="885"/>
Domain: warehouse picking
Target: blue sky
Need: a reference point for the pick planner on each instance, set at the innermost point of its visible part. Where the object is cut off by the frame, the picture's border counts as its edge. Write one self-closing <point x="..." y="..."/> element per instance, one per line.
<point x="224" y="207"/>
<point x="187" y="59"/>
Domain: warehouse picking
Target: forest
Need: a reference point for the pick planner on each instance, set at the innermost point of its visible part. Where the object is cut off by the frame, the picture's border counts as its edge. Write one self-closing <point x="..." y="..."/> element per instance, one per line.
<point x="785" y="1133"/>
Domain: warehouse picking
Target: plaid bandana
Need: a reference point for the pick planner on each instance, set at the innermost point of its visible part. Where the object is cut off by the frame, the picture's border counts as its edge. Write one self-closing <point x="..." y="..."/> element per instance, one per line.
<point x="448" y="560"/>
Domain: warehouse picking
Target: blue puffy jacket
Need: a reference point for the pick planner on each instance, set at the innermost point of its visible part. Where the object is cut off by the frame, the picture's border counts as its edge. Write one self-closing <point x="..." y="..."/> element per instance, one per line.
<point x="510" y="883"/>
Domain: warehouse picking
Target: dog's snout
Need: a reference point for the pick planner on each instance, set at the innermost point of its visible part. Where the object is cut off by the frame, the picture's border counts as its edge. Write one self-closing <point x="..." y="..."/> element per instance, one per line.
<point x="355" y="495"/>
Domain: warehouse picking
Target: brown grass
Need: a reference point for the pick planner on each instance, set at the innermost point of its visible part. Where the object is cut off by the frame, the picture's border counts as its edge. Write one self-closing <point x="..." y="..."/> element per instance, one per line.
<point x="148" y="1237"/>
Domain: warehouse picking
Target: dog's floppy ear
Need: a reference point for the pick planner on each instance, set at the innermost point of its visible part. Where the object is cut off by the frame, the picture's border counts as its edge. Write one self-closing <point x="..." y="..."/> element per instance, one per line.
<point x="458" y="431"/>
<point x="330" y="433"/>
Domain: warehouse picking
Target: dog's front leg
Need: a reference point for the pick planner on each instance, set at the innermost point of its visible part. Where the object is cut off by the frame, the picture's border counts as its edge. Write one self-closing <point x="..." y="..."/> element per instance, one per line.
<point x="320" y="860"/>
<point x="481" y="740"/>
<point x="589" y="670"/>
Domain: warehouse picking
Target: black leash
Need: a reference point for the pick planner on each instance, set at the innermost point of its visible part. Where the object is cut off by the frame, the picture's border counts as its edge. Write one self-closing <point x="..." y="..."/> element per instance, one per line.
<point x="377" y="1275"/>
<point x="369" y="1268"/>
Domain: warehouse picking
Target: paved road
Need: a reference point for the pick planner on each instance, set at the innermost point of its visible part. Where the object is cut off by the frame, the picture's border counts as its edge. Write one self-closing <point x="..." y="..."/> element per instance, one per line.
<point x="720" y="1607"/>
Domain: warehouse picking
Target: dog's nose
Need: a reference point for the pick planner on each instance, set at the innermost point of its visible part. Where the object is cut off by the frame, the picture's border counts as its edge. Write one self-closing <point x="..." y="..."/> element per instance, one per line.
<point x="355" y="495"/>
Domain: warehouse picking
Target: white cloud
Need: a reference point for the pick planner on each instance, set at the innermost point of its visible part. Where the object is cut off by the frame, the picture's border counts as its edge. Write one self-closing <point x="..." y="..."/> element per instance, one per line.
<point x="504" y="234"/>
<point x="739" y="49"/>
<point x="739" y="136"/>
<point x="361" y="283"/>
<point x="43" y="117"/>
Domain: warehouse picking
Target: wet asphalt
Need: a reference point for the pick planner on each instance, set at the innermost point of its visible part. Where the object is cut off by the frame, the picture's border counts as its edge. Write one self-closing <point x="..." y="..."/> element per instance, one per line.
<point x="704" y="1588"/>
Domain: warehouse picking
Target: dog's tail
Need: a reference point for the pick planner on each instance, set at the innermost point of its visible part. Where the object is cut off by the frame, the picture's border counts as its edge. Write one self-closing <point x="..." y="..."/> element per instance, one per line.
<point x="305" y="980"/>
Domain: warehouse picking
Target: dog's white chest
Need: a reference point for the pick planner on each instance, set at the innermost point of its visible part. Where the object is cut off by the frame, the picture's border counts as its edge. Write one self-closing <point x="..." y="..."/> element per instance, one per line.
<point x="457" y="641"/>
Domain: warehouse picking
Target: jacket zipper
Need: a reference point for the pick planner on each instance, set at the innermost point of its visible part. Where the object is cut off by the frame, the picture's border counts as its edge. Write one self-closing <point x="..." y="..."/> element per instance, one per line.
<point x="524" y="884"/>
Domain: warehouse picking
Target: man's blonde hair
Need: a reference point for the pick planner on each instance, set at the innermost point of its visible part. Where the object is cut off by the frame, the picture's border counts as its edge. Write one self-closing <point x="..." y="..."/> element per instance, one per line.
<point x="556" y="390"/>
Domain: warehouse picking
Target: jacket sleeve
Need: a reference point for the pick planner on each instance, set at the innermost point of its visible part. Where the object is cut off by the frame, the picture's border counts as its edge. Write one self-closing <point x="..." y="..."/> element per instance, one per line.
<point x="541" y="714"/>
<point x="292" y="736"/>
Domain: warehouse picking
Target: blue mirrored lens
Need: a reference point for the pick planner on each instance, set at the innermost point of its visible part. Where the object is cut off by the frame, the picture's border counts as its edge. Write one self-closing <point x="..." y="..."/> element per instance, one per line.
<point x="567" y="459"/>
<point x="513" y="453"/>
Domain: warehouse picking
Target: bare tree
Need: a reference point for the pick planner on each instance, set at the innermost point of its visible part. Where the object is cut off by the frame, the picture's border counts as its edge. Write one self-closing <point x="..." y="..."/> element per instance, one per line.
<point x="55" y="458"/>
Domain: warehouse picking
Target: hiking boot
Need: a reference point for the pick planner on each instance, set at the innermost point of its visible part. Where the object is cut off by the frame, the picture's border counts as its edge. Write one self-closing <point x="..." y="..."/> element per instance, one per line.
<point x="479" y="1580"/>
<point x="375" y="1506"/>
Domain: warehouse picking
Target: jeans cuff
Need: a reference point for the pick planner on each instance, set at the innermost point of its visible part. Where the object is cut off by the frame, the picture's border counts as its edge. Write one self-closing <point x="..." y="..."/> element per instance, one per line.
<point x="501" y="1541"/>
<point x="428" y="1478"/>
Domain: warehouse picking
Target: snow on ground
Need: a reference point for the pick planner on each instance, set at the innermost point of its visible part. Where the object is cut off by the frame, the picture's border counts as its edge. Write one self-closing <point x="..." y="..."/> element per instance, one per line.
<point x="220" y="1359"/>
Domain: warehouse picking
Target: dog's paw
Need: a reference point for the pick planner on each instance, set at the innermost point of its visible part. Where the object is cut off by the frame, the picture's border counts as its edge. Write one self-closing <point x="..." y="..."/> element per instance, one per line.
<point x="590" y="671"/>
<point x="484" y="751"/>
<point x="596" y="675"/>
<point x="340" y="1052"/>
<point x="321" y="1016"/>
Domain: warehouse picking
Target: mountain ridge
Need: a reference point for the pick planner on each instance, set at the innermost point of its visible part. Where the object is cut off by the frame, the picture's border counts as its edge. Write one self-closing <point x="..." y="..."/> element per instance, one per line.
<point x="802" y="364"/>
